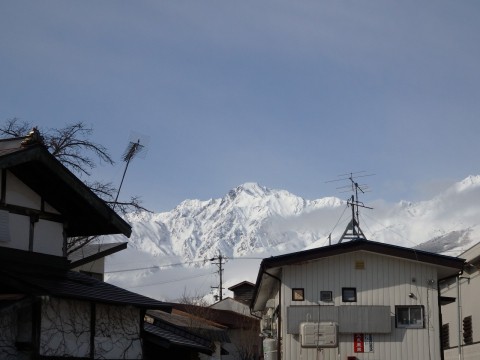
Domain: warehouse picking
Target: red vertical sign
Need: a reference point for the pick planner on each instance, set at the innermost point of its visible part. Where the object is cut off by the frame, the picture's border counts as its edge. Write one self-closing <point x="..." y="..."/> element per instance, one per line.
<point x="358" y="343"/>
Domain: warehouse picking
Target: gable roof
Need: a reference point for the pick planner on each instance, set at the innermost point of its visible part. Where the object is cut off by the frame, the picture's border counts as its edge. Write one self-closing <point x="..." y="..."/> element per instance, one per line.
<point x="446" y="265"/>
<point x="167" y="335"/>
<point x="84" y="212"/>
<point x="246" y="284"/>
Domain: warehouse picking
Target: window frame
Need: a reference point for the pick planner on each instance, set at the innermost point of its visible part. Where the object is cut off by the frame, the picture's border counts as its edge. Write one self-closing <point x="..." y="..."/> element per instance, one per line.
<point x="330" y="296"/>
<point x="298" y="292"/>
<point x="410" y="324"/>
<point x="346" y="298"/>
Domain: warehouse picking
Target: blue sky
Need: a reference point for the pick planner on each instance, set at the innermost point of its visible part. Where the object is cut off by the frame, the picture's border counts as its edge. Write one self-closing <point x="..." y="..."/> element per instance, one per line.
<point x="288" y="94"/>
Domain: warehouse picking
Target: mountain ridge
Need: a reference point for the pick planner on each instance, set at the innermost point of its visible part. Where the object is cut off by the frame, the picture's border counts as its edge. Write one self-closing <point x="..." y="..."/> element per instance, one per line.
<point x="254" y="219"/>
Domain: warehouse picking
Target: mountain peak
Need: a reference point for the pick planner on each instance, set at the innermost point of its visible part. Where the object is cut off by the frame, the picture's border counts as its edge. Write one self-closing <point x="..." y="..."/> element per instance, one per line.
<point x="250" y="188"/>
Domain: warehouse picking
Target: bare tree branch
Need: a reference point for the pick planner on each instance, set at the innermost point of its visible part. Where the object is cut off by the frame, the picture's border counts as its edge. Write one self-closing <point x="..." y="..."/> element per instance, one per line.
<point x="72" y="146"/>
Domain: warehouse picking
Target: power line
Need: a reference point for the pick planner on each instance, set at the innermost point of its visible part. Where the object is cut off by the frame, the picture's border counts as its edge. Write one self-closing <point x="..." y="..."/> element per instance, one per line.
<point x="178" y="264"/>
<point x="170" y="281"/>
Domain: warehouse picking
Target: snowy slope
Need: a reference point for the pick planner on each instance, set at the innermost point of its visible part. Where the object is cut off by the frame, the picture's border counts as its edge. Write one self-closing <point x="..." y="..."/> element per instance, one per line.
<point x="252" y="221"/>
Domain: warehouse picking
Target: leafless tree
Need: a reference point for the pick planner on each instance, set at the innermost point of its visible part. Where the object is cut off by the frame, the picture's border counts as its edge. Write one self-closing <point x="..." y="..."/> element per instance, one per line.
<point x="72" y="146"/>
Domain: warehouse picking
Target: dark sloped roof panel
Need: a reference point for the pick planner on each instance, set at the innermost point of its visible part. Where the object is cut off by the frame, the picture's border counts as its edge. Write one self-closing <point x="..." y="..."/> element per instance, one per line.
<point x="31" y="274"/>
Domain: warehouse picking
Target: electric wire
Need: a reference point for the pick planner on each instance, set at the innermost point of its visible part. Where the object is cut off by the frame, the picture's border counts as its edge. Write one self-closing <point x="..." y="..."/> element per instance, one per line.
<point x="170" y="281"/>
<point x="177" y="264"/>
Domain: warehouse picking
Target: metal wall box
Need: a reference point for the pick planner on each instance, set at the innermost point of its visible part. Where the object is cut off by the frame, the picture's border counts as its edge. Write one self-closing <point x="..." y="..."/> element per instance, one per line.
<point x="319" y="335"/>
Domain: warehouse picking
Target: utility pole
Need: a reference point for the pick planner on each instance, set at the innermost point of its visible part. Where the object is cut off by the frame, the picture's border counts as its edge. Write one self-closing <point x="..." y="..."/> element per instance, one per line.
<point x="220" y="263"/>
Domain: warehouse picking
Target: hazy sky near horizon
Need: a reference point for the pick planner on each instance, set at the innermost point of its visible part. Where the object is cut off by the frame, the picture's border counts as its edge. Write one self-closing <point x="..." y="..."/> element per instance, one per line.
<point x="288" y="94"/>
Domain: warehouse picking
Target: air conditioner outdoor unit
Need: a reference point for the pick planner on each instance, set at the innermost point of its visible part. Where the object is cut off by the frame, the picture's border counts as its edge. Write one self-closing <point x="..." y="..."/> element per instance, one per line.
<point x="323" y="334"/>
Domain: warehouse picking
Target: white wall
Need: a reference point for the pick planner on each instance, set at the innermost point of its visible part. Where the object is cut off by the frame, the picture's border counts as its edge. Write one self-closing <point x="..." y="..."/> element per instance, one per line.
<point x="20" y="194"/>
<point x="384" y="281"/>
<point x="48" y="235"/>
<point x="469" y="287"/>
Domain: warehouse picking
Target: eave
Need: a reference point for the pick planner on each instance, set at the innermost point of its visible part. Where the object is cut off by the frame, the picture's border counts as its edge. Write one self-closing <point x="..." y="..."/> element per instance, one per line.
<point x="84" y="213"/>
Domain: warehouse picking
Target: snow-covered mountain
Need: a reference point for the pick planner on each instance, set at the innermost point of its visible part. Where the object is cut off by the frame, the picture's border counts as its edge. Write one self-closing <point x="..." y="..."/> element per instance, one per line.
<point x="249" y="219"/>
<point x="255" y="221"/>
<point x="252" y="219"/>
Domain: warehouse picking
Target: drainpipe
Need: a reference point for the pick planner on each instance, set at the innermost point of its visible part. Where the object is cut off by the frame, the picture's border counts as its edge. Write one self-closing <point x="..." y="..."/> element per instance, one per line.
<point x="279" y="331"/>
<point x="459" y="318"/>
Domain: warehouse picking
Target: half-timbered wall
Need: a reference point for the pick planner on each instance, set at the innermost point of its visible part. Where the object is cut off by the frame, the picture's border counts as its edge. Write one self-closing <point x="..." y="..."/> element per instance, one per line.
<point x="67" y="329"/>
<point x="19" y="230"/>
<point x="378" y="280"/>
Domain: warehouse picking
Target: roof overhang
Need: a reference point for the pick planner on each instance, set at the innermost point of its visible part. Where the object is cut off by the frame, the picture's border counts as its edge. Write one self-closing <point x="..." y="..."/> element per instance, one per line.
<point x="91" y="252"/>
<point x="84" y="213"/>
<point x="446" y="265"/>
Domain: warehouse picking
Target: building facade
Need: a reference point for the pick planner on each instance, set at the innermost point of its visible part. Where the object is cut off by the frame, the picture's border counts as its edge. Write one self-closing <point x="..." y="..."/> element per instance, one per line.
<point x="355" y="300"/>
<point x="48" y="311"/>
<point x="461" y="313"/>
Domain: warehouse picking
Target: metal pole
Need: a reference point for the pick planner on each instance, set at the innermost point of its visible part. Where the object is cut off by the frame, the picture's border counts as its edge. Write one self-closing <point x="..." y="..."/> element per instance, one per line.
<point x="459" y="320"/>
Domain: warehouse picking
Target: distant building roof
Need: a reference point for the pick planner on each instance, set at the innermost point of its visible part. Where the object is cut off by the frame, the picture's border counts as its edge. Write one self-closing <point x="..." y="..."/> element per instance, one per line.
<point x="227" y="318"/>
<point x="242" y="284"/>
<point x="84" y="212"/>
<point x="172" y="336"/>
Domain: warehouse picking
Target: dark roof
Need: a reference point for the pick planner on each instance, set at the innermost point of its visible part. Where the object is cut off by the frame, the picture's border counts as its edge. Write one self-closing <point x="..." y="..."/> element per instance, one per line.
<point x="227" y="318"/>
<point x="92" y="252"/>
<point x="173" y="336"/>
<point x="447" y="265"/>
<point x="197" y="325"/>
<point x="84" y="212"/>
<point x="246" y="284"/>
<point x="363" y="245"/>
<point x="28" y="273"/>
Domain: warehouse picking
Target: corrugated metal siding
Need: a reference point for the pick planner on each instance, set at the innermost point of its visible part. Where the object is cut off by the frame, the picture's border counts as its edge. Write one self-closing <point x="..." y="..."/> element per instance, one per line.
<point x="384" y="281"/>
<point x="364" y="319"/>
<point x="372" y="319"/>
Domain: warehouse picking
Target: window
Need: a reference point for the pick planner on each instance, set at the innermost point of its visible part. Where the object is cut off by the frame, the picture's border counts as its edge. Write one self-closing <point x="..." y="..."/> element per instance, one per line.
<point x="409" y="316"/>
<point x="326" y="296"/>
<point x="445" y="336"/>
<point x="349" y="294"/>
<point x="467" y="330"/>
<point x="298" y="294"/>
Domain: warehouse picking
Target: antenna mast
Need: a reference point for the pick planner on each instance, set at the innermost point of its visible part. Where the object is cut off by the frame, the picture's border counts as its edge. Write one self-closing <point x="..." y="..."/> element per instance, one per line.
<point x="134" y="148"/>
<point x="353" y="231"/>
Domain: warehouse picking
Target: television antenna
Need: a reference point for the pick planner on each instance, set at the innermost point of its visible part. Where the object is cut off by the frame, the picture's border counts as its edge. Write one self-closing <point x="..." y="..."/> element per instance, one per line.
<point x="353" y="230"/>
<point x="136" y="148"/>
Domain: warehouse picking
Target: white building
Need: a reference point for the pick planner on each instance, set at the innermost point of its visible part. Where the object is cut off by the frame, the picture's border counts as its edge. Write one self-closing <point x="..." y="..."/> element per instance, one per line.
<point x="46" y="310"/>
<point x="354" y="300"/>
<point x="461" y="319"/>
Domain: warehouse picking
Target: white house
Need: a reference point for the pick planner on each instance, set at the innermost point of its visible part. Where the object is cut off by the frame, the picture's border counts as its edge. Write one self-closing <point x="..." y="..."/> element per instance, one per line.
<point x="461" y="313"/>
<point x="48" y="311"/>
<point x="354" y="300"/>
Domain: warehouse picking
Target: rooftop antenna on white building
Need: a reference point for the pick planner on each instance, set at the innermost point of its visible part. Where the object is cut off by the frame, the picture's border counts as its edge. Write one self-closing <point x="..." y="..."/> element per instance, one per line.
<point x="353" y="230"/>
<point x="135" y="148"/>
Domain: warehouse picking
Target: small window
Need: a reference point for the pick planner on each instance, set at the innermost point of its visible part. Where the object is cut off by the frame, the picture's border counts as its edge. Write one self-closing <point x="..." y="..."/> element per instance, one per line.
<point x="360" y="265"/>
<point x="445" y="334"/>
<point x="467" y="330"/>
<point x="326" y="296"/>
<point x="349" y="294"/>
<point x="298" y="294"/>
<point x="409" y="316"/>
